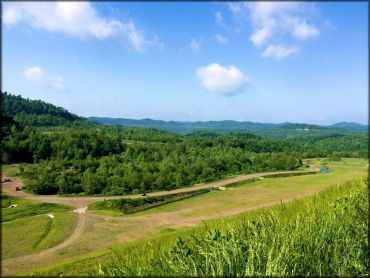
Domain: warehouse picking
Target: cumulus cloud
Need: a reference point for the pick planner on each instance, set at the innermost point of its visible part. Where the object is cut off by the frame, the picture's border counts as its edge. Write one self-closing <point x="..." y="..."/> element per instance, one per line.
<point x="221" y="39"/>
<point x="37" y="75"/>
<point x="226" y="80"/>
<point x="195" y="45"/>
<point x="305" y="31"/>
<point x="279" y="51"/>
<point x="75" y="19"/>
<point x="275" y="22"/>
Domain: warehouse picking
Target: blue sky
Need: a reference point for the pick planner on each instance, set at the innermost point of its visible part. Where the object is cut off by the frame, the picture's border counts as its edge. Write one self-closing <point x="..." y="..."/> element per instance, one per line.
<point x="262" y="62"/>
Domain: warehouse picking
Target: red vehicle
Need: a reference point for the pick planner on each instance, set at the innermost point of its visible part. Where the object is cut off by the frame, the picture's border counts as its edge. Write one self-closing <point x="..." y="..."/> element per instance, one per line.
<point x="18" y="188"/>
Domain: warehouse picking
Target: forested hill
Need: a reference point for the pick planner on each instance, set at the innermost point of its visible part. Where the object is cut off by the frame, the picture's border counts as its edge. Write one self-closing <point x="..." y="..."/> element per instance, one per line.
<point x="26" y="112"/>
<point x="351" y="126"/>
<point x="276" y="131"/>
<point x="68" y="154"/>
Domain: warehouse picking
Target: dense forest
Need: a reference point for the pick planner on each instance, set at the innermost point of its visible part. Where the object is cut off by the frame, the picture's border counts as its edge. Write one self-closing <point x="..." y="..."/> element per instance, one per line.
<point x="69" y="154"/>
<point x="103" y="160"/>
<point x="28" y="112"/>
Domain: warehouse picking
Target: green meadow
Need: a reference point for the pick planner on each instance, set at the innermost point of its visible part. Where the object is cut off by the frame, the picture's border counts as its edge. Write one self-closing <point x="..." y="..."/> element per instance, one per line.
<point x="27" y="229"/>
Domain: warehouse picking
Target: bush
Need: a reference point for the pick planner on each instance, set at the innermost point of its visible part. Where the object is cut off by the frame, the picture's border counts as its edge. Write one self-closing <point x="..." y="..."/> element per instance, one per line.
<point x="129" y="206"/>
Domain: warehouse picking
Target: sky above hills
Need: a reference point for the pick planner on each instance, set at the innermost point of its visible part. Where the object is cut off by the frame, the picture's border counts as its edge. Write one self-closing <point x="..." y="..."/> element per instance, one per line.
<point x="256" y="61"/>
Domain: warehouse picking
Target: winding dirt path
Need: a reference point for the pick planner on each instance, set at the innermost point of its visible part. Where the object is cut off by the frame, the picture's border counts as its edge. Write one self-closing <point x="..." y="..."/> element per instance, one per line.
<point x="80" y="203"/>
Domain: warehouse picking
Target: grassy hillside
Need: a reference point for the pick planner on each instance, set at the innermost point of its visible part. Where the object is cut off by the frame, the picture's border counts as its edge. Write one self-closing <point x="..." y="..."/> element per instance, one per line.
<point x="321" y="235"/>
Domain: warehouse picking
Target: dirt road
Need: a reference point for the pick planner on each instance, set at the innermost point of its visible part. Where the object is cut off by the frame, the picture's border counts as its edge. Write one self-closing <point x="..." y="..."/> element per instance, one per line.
<point x="81" y="202"/>
<point x="86" y="219"/>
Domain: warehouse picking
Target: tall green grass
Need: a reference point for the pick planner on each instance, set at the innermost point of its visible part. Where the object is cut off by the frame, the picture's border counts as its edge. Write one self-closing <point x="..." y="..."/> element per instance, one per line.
<point x="323" y="235"/>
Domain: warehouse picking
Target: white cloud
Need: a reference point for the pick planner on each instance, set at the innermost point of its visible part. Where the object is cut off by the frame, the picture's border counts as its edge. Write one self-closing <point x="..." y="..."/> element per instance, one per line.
<point x="37" y="75"/>
<point x="279" y="18"/>
<point x="195" y="45"/>
<point x="221" y="39"/>
<point x="34" y="74"/>
<point x="260" y="36"/>
<point x="11" y="16"/>
<point x="275" y="22"/>
<point x="226" y="80"/>
<point x="279" y="51"/>
<point x="75" y="19"/>
<point x="304" y="31"/>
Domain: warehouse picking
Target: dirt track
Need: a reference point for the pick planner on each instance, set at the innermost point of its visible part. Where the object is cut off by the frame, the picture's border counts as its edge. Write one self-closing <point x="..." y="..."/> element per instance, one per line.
<point x="8" y="265"/>
<point x="80" y="202"/>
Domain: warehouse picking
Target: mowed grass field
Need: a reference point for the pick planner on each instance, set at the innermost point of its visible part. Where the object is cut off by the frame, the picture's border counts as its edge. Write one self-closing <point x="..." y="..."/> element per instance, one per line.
<point x="27" y="228"/>
<point x="166" y="223"/>
<point x="35" y="233"/>
<point x="256" y="193"/>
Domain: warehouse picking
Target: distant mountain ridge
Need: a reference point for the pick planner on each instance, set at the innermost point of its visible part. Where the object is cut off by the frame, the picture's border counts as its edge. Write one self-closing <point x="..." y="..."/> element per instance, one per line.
<point x="351" y="126"/>
<point x="18" y="110"/>
<point x="225" y="126"/>
<point x="178" y="126"/>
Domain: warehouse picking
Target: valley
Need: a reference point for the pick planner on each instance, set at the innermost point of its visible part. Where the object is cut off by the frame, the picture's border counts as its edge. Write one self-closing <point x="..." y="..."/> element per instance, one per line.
<point x="90" y="236"/>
